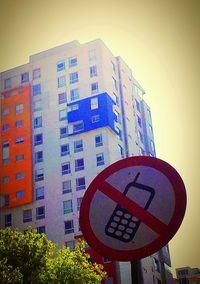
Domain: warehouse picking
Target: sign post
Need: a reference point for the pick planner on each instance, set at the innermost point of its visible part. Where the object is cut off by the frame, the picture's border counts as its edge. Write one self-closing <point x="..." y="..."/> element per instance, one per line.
<point x="136" y="272"/>
<point x="133" y="208"/>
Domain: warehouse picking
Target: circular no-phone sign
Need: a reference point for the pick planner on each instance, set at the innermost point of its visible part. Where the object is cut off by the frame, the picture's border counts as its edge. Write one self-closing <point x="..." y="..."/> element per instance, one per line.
<point x="133" y="208"/>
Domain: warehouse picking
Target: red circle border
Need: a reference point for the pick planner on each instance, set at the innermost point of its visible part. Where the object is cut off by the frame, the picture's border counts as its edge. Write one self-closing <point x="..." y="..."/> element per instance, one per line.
<point x="174" y="224"/>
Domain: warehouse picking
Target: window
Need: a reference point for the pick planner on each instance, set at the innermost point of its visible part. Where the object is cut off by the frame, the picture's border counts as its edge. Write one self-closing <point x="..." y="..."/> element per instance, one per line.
<point x="38" y="139"/>
<point x="61" y="81"/>
<point x="20" y="194"/>
<point x="94" y="103"/>
<point x="19" y="157"/>
<point x="36" y="73"/>
<point x="79" y="126"/>
<point x="118" y="117"/>
<point x="95" y="118"/>
<point x="62" y="98"/>
<point x="39" y="174"/>
<point x="5" y="111"/>
<point x="19" y="175"/>
<point x="64" y="150"/>
<point x="93" y="71"/>
<point x="79" y="200"/>
<point x="152" y="146"/>
<point x="67" y="206"/>
<point x="39" y="157"/>
<point x="66" y="168"/>
<point x="100" y="159"/>
<point x="78" y="146"/>
<point x="69" y="227"/>
<point x="116" y="99"/>
<point x="63" y="132"/>
<point x="5" y="127"/>
<point x="6" y="200"/>
<point x="73" y="77"/>
<point x="36" y="89"/>
<point x="37" y="105"/>
<point x="149" y="113"/>
<point x="114" y="83"/>
<point x="142" y="152"/>
<point x="8" y="220"/>
<point x="6" y="144"/>
<point x="80" y="183"/>
<point x="41" y="230"/>
<point x="19" y="108"/>
<point x="73" y="107"/>
<point x="40" y="212"/>
<point x="109" y="280"/>
<point x="137" y="105"/>
<point x="92" y="54"/>
<point x="113" y="67"/>
<point x="7" y="83"/>
<point x="18" y="123"/>
<point x="27" y="215"/>
<point x="5" y="179"/>
<point x="98" y="140"/>
<point x="37" y="122"/>
<point x="79" y="164"/>
<point x="156" y="264"/>
<point x="139" y="121"/>
<point x="19" y="140"/>
<point x="121" y="151"/>
<point x="60" y="66"/>
<point x="24" y="77"/>
<point x="106" y="259"/>
<point x="70" y="244"/>
<point x="72" y="61"/>
<point x="151" y="129"/>
<point x="74" y="94"/>
<point x="39" y="193"/>
<point x="62" y="114"/>
<point x="94" y="88"/>
<point x="141" y="137"/>
<point x="5" y="161"/>
<point x="67" y="186"/>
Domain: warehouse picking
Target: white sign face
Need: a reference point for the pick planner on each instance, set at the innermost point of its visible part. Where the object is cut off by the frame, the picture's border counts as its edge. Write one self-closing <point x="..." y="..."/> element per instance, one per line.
<point x="129" y="211"/>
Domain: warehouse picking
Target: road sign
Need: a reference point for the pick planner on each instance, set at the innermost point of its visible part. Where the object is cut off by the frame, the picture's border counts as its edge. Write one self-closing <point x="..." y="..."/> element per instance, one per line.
<point x="133" y="208"/>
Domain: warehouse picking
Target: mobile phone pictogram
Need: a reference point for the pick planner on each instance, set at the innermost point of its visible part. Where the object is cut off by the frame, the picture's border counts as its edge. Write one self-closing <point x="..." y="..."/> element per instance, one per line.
<point x="122" y="225"/>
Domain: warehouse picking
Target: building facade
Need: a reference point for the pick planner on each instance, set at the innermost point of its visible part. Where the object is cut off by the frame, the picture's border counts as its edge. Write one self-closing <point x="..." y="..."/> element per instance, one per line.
<point x="187" y="275"/>
<point x="65" y="116"/>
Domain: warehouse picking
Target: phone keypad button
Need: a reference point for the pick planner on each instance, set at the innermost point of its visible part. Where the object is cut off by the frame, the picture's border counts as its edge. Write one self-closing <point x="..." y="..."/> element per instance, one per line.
<point x="119" y="213"/>
<point x="116" y="218"/>
<point x="127" y="216"/>
<point x="113" y="224"/>
<point x="110" y="230"/>
<point x="128" y="230"/>
<point x="126" y="236"/>
<point x="118" y="233"/>
<point x="124" y="221"/>
<point x="120" y="227"/>
<point x="131" y="224"/>
<point x="134" y="219"/>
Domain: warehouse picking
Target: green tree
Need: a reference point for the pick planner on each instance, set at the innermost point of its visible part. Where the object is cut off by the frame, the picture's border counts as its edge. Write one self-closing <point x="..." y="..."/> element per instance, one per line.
<point x="32" y="258"/>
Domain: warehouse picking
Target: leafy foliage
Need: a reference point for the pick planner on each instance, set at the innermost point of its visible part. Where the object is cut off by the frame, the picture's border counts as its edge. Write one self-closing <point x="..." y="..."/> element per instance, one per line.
<point x="32" y="258"/>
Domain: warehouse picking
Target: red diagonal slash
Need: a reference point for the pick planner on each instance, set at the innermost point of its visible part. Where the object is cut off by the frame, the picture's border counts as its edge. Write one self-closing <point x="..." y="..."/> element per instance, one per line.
<point x="136" y="210"/>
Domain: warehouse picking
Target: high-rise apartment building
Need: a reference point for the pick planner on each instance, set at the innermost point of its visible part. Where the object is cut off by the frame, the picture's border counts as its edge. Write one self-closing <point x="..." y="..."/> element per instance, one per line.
<point x="65" y="116"/>
<point x="187" y="275"/>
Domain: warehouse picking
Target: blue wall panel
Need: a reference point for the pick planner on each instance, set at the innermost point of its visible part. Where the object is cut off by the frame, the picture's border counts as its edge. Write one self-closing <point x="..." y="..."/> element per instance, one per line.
<point x="84" y="113"/>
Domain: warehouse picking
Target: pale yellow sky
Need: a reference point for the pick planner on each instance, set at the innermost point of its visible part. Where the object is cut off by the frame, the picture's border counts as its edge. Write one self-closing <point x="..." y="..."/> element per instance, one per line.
<point x="160" y="41"/>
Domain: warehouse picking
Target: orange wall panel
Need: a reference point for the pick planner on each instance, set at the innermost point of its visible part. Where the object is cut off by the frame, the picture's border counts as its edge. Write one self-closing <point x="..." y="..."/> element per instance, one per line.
<point x="20" y="95"/>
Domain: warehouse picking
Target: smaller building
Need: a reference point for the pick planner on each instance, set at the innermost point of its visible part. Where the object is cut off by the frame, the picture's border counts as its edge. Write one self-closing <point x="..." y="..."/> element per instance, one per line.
<point x="187" y="275"/>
